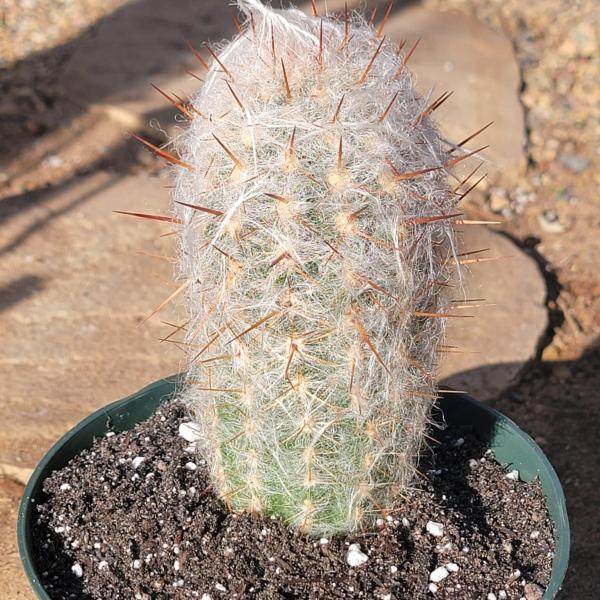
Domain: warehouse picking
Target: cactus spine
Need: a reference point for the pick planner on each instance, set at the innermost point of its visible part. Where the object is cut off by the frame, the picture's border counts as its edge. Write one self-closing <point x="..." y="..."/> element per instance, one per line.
<point x="317" y="243"/>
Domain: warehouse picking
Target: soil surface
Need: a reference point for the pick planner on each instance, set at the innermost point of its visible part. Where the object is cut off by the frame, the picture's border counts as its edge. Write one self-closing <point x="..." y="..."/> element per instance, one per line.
<point x="135" y="517"/>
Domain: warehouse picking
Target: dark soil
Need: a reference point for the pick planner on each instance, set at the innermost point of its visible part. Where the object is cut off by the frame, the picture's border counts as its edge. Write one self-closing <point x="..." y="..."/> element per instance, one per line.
<point x="152" y="529"/>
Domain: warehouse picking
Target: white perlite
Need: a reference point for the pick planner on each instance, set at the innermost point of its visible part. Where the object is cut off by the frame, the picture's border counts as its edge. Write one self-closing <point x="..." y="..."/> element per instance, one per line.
<point x="355" y="556"/>
<point x="190" y="432"/>
<point x="452" y="567"/>
<point x="77" y="570"/>
<point x="514" y="475"/>
<point x="438" y="574"/>
<point x="435" y="529"/>
<point x="137" y="461"/>
<point x="317" y="254"/>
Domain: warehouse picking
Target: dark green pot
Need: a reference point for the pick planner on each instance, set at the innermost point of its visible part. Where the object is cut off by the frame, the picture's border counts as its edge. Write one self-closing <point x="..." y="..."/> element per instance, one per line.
<point x="510" y="445"/>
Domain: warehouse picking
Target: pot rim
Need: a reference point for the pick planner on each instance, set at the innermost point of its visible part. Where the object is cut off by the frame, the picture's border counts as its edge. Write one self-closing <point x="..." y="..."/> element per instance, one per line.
<point x="492" y="418"/>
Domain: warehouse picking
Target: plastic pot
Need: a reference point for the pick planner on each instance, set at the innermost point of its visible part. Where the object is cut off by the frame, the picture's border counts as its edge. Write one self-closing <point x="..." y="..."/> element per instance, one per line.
<point x="511" y="446"/>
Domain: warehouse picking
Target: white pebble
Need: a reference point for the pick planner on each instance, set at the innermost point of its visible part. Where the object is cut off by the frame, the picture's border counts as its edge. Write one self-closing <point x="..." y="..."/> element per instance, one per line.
<point x="386" y="597"/>
<point x="137" y="563"/>
<point x="438" y="574"/>
<point x="109" y="434"/>
<point x="137" y="461"/>
<point x="102" y="565"/>
<point x="393" y="569"/>
<point x="514" y="475"/>
<point x="205" y="597"/>
<point x="502" y="595"/>
<point x="433" y="588"/>
<point x="65" y="486"/>
<point x="534" y="535"/>
<point x="176" y="565"/>
<point x="77" y="570"/>
<point x="323" y="541"/>
<point x="220" y="587"/>
<point x="491" y="596"/>
<point x="190" y="466"/>
<point x="472" y="463"/>
<point x="59" y="529"/>
<point x="435" y="529"/>
<point x="405" y="522"/>
<point x="356" y="556"/>
<point x="190" y="432"/>
<point x="452" y="567"/>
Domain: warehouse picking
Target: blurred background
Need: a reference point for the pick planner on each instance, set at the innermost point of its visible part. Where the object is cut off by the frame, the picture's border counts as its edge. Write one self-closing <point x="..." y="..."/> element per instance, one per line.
<point x="77" y="281"/>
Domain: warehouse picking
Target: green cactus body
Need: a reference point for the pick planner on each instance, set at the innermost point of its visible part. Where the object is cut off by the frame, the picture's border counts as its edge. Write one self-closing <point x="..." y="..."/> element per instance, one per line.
<point x="316" y="239"/>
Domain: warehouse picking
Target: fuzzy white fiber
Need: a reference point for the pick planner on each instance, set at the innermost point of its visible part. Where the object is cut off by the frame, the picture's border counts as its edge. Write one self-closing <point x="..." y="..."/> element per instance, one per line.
<point x="316" y="285"/>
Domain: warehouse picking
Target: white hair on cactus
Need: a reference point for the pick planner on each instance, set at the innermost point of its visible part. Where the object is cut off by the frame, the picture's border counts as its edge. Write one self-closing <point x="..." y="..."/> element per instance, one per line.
<point x="316" y="234"/>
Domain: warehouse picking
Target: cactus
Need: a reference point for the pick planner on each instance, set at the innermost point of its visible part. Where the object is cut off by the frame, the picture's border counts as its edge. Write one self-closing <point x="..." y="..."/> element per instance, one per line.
<point x="317" y="250"/>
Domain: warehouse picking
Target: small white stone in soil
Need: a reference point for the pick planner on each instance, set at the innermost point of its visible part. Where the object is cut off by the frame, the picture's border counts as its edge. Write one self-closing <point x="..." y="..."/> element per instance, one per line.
<point x="64" y="486"/>
<point x="109" y="434"/>
<point x="190" y="466"/>
<point x="452" y="567"/>
<point x="472" y="463"/>
<point x="386" y="597"/>
<point x="176" y="565"/>
<point x="534" y="535"/>
<point x="405" y="522"/>
<point x="190" y="432"/>
<point x="323" y="541"/>
<point x="433" y="588"/>
<point x="491" y="596"/>
<point x="356" y="556"/>
<point x="393" y="569"/>
<point x="97" y="545"/>
<point x="137" y="461"/>
<point x="514" y="475"/>
<point x="102" y="565"/>
<point x="380" y="522"/>
<point x="137" y="563"/>
<point x="220" y="587"/>
<point x="438" y="574"/>
<point x="435" y="529"/>
<point x="77" y="570"/>
<point x="59" y="529"/>
<point x="502" y="595"/>
<point x="205" y="597"/>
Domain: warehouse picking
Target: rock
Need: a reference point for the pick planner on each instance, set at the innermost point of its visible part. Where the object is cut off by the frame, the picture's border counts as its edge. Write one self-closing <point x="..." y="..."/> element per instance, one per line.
<point x="574" y="163"/>
<point x="435" y="529"/>
<point x="533" y="592"/>
<point x="190" y="432"/>
<point x="498" y="200"/>
<point x="355" y="556"/>
<point x="550" y="221"/>
<point x="505" y="335"/>
<point x="438" y="574"/>
<point x="582" y="40"/>
<point x="460" y="53"/>
<point x="514" y="475"/>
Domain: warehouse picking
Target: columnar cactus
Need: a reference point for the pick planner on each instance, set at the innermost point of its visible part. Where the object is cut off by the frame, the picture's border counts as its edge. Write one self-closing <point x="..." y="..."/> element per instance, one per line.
<point x="317" y="247"/>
